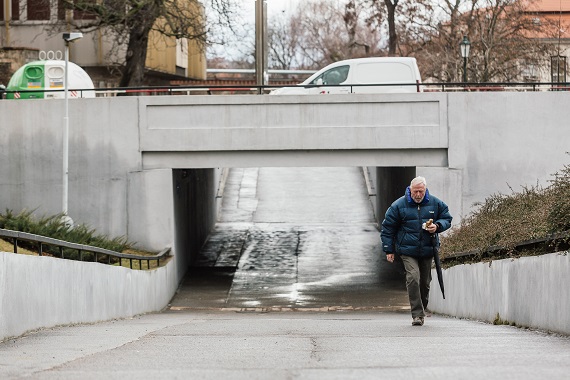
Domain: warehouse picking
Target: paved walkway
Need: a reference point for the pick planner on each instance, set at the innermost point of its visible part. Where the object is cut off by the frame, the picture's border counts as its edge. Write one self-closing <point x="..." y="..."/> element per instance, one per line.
<point x="290" y="345"/>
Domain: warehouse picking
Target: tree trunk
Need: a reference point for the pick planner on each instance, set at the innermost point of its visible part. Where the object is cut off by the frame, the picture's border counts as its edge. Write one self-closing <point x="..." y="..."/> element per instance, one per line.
<point x="133" y="74"/>
<point x="392" y="36"/>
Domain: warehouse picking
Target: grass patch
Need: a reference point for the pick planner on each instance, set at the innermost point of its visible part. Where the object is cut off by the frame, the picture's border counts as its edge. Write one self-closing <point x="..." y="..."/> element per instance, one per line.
<point x="506" y="220"/>
<point x="8" y="246"/>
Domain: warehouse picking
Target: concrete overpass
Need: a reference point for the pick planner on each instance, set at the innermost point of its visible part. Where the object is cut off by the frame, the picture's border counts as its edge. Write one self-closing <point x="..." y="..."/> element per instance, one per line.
<point x="253" y="131"/>
<point x="150" y="167"/>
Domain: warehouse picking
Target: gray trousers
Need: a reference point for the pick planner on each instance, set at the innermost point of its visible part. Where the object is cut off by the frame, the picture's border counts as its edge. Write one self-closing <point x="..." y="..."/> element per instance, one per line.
<point x="418" y="278"/>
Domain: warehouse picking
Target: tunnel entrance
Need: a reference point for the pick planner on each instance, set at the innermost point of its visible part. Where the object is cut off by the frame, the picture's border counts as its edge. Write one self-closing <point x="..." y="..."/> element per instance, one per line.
<point x="287" y="237"/>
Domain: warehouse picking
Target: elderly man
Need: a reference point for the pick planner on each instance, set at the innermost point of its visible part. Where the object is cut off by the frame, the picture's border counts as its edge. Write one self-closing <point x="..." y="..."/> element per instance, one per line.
<point x="410" y="230"/>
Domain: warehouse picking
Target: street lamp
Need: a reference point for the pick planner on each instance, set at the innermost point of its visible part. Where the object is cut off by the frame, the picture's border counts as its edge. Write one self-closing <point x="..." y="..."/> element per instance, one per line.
<point x="465" y="47"/>
<point x="67" y="37"/>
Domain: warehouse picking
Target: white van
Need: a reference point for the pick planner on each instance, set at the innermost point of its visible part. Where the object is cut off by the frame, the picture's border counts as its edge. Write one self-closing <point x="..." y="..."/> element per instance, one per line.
<point x="359" y="75"/>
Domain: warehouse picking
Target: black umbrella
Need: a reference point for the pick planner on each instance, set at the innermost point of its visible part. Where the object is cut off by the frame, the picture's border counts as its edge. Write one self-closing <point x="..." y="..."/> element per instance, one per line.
<point x="438" y="265"/>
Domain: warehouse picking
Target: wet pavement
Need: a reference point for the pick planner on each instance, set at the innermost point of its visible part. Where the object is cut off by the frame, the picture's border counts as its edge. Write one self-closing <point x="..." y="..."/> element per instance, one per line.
<point x="295" y="238"/>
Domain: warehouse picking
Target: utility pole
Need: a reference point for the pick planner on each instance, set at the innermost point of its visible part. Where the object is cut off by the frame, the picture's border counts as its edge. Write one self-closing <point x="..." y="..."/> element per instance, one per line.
<point x="261" y="43"/>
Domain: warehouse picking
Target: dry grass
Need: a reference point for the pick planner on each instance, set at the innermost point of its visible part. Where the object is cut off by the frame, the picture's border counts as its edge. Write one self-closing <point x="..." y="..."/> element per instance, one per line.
<point x="8" y="246"/>
<point x="506" y="220"/>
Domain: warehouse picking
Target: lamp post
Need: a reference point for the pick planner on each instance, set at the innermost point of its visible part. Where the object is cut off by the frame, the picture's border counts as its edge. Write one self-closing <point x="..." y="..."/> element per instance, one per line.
<point x="67" y="37"/>
<point x="465" y="47"/>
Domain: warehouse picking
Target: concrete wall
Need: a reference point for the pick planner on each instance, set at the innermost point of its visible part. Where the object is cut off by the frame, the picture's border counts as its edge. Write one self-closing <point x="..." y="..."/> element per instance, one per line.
<point x="503" y="140"/>
<point x="468" y="146"/>
<point x="38" y="292"/>
<point x="108" y="188"/>
<point x="103" y="155"/>
<point x="530" y="292"/>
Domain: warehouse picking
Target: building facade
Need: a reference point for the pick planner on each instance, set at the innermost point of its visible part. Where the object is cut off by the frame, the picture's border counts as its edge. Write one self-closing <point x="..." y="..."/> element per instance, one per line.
<point x="31" y="30"/>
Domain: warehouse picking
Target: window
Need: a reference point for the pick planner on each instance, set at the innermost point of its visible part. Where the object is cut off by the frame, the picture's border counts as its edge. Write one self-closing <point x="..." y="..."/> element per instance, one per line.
<point x="333" y="76"/>
<point x="77" y="15"/>
<point x="82" y="15"/>
<point x="38" y="9"/>
<point x="60" y="10"/>
<point x="15" y="9"/>
<point x="530" y="71"/>
<point x="15" y="5"/>
<point x="558" y="69"/>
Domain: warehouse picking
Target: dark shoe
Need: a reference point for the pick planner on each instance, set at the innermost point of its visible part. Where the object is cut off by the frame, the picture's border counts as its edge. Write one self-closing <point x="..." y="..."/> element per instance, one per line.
<point x="418" y="321"/>
<point x="427" y="312"/>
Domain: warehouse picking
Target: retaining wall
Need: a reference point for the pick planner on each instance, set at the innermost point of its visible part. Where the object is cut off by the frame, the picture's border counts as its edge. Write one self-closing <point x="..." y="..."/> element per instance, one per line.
<point x="529" y="292"/>
<point x="37" y="292"/>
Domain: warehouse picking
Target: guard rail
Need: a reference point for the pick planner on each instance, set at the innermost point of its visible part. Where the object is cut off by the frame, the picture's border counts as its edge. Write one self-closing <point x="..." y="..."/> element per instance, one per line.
<point x="256" y="89"/>
<point x="41" y="242"/>
<point x="554" y="242"/>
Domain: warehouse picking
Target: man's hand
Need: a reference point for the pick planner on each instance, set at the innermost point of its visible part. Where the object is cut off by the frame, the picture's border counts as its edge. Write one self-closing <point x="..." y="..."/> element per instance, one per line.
<point x="390" y="257"/>
<point x="431" y="228"/>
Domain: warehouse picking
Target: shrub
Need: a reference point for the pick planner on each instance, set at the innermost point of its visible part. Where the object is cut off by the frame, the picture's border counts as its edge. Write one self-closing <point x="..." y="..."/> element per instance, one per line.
<point x="55" y="227"/>
<point x="506" y="220"/>
<point x="558" y="218"/>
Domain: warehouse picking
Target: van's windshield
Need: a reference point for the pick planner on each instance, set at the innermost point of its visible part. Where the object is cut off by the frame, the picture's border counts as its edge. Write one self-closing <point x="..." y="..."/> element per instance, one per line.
<point x="336" y="75"/>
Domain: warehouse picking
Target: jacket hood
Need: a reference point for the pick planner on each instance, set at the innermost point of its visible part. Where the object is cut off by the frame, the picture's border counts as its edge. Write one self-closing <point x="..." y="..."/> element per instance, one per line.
<point x="411" y="201"/>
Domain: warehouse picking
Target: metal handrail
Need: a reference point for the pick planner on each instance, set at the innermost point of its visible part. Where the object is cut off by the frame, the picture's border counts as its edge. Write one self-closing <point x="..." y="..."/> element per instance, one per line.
<point x="559" y="239"/>
<point x="42" y="241"/>
<point x="425" y="86"/>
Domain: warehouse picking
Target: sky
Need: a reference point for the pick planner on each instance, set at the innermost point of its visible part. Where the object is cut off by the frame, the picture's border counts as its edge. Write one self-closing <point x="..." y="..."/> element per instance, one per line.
<point x="247" y="13"/>
<point x="273" y="6"/>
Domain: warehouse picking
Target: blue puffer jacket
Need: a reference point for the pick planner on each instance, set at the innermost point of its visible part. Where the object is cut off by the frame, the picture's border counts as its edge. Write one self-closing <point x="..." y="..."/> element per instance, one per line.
<point x="402" y="231"/>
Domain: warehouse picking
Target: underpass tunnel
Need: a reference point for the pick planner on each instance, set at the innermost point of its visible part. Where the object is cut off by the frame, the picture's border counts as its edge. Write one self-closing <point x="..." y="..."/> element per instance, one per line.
<point x="197" y="202"/>
<point x="389" y="185"/>
<point x="337" y="254"/>
<point x="195" y="212"/>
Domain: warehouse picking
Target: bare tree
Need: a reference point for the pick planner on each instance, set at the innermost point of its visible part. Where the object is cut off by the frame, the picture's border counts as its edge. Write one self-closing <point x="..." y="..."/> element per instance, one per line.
<point x="503" y="35"/>
<point x="392" y="36"/>
<point x="284" y="39"/>
<point x="382" y="15"/>
<point x="130" y="22"/>
<point x="321" y="32"/>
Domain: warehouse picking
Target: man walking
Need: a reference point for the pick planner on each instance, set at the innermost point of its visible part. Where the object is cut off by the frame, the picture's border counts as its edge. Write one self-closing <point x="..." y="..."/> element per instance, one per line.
<point x="410" y="229"/>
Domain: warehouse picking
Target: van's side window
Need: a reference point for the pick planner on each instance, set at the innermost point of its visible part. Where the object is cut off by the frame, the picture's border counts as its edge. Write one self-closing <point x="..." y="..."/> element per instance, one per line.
<point x="333" y="76"/>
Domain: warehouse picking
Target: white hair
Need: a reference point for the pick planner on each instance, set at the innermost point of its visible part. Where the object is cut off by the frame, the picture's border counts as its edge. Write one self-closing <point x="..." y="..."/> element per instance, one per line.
<point x="417" y="181"/>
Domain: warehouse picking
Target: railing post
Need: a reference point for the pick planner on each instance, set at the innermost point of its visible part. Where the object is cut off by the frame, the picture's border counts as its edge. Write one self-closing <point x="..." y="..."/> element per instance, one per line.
<point x="41" y="249"/>
<point x="15" y="245"/>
